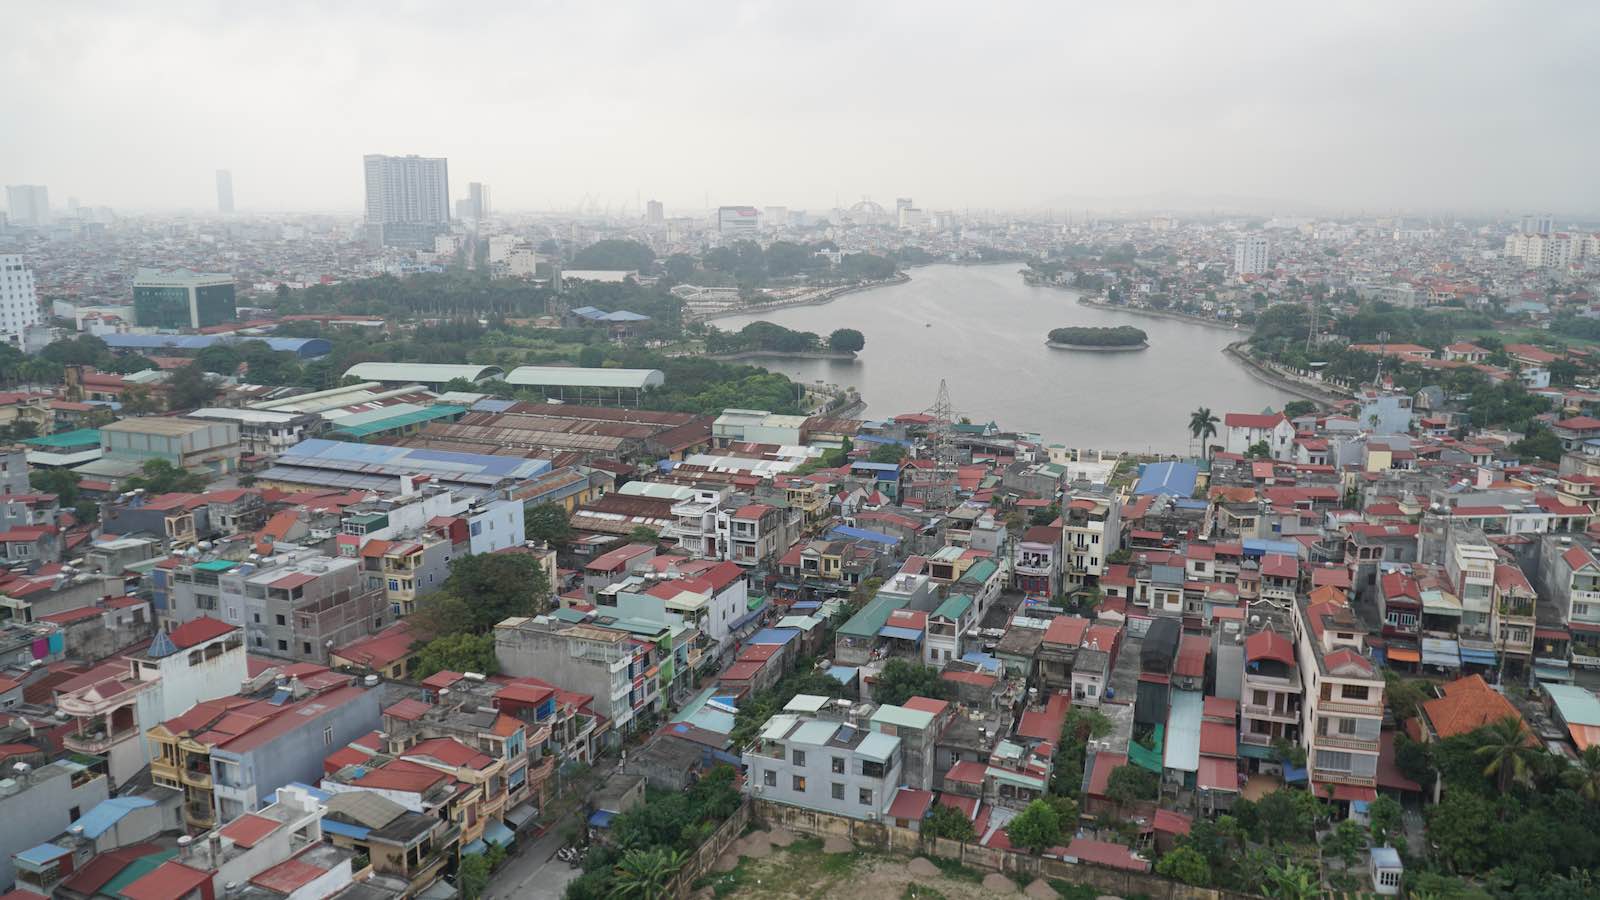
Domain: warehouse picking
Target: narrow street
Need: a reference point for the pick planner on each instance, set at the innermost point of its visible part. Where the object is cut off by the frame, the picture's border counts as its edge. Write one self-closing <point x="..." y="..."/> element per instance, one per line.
<point x="533" y="871"/>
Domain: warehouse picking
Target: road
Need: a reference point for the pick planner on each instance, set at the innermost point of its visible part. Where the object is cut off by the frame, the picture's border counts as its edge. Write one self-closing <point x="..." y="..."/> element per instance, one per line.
<point x="533" y="872"/>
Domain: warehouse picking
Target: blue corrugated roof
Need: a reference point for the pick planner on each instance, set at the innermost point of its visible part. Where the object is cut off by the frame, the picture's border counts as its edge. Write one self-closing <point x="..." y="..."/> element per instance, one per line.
<point x="773" y="636"/>
<point x="333" y="826"/>
<point x="304" y="347"/>
<point x="904" y="634"/>
<point x="1261" y="545"/>
<point x="42" y="854"/>
<point x="875" y="466"/>
<point x="1171" y="478"/>
<point x="862" y="534"/>
<point x="108" y="813"/>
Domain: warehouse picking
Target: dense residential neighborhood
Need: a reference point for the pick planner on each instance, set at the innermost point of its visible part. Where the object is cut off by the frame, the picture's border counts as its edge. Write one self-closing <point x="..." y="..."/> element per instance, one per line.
<point x="485" y="566"/>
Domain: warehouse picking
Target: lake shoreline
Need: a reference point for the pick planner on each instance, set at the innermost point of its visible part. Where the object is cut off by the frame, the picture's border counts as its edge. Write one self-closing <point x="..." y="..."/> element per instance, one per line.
<point x="846" y="355"/>
<point x="826" y="297"/>
<point x="1158" y="314"/>
<point x="1266" y="375"/>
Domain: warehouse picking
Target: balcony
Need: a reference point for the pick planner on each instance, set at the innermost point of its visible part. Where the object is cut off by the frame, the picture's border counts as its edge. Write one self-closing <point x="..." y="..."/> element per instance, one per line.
<point x="1330" y="776"/>
<point x="197" y="813"/>
<point x="196" y="778"/>
<point x="1346" y="742"/>
<point x="1274" y="713"/>
<point x="1350" y="708"/>
<point x="97" y="741"/>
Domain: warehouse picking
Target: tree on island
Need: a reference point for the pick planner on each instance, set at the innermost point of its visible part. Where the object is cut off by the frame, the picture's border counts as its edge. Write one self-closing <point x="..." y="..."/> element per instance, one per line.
<point x="847" y="340"/>
<point x="1203" y="427"/>
<point x="1120" y="336"/>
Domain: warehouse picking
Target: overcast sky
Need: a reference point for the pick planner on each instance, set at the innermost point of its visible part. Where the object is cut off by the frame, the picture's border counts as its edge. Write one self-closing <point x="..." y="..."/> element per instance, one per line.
<point x="1289" y="107"/>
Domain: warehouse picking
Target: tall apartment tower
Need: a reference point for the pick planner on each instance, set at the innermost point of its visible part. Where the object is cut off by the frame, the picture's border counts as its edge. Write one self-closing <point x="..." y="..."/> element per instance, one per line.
<point x="654" y="212"/>
<point x="19" y="302"/>
<point x="1544" y="223"/>
<point x="408" y="199"/>
<point x="29" y="204"/>
<point x="224" y="191"/>
<point x="478" y="194"/>
<point x="1250" y="255"/>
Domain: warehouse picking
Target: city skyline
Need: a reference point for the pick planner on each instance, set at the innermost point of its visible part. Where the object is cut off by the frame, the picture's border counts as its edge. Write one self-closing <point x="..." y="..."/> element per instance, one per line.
<point x="1040" y="108"/>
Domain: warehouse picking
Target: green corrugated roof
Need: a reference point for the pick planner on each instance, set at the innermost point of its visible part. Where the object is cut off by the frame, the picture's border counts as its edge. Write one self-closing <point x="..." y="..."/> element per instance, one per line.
<point x="954" y="607"/>
<point x="439" y="411"/>
<point x="215" y="565"/>
<point x="136" y="870"/>
<point x="82" y="437"/>
<point x="901" y="717"/>
<point x="873" y="616"/>
<point x="979" y="572"/>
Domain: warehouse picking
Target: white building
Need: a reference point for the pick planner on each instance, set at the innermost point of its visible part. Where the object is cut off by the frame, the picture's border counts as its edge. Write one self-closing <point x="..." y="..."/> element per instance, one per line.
<point x="1552" y="251"/>
<point x="408" y="199"/>
<point x="1250" y="255"/>
<point x="19" y="302"/>
<point x="522" y="262"/>
<point x="29" y="204"/>
<point x="738" y="222"/>
<point x="1244" y="430"/>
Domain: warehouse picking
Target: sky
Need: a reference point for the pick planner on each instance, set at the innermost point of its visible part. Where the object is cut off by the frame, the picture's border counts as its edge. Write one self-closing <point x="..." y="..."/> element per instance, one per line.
<point x="1279" y="108"/>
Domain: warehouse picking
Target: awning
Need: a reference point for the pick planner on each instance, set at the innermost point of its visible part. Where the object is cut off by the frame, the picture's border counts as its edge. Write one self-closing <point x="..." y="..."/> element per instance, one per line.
<point x="1553" y="673"/>
<point x="1472" y="656"/>
<point x="496" y="832"/>
<point x="1584" y="736"/>
<point x="1256" y="751"/>
<point x="1347" y="792"/>
<point x="1585" y="627"/>
<point x="1217" y="775"/>
<point x="601" y="818"/>
<point x="904" y="634"/>
<point x="522" y="815"/>
<point x="1293" y="774"/>
<point x="1441" y="653"/>
<point x="1551" y="634"/>
<point x="476" y="848"/>
<point x="1403" y="654"/>
<point x="787" y="586"/>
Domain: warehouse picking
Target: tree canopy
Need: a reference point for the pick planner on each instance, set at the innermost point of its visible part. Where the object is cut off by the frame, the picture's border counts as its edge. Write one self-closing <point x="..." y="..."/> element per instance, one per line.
<point x="846" y="340"/>
<point x="157" y="476"/>
<point x="482" y="590"/>
<point x="1036" y="829"/>
<point x="614" y="255"/>
<point x="1120" y="336"/>
<point x="902" y="679"/>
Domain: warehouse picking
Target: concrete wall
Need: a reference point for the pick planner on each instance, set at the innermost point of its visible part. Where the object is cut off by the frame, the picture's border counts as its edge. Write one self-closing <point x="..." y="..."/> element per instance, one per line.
<point x="41" y="811"/>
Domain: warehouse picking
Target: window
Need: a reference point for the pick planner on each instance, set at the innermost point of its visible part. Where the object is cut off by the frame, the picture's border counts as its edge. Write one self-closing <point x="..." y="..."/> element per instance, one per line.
<point x="798" y="782"/>
<point x="838" y="765"/>
<point x="257" y="617"/>
<point x="799" y="757"/>
<point x="770" y="778"/>
<point x="281" y="620"/>
<point x="1333" y="760"/>
<point x="1354" y="692"/>
<point x="838" y="791"/>
<point x="305" y="647"/>
<point x="872" y="769"/>
<point x="283" y="645"/>
<point x="864" y="796"/>
<point x="1260" y="698"/>
<point x="1347" y="726"/>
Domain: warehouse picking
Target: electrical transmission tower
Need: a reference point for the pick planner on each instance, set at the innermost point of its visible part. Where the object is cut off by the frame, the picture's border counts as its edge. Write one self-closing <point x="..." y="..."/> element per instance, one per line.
<point x="941" y="486"/>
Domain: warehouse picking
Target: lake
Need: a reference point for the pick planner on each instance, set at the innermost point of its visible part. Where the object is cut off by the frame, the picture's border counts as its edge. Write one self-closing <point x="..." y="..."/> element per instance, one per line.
<point x="983" y="330"/>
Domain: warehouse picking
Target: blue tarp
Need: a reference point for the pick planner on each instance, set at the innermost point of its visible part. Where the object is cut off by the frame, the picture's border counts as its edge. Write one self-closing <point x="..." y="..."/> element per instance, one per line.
<point x="904" y="634"/>
<point x="334" y="826"/>
<point x="601" y="818"/>
<point x="1254" y="547"/>
<point x="496" y="832"/>
<point x="862" y="534"/>
<point x="806" y="604"/>
<point x="1291" y="774"/>
<point x="982" y="660"/>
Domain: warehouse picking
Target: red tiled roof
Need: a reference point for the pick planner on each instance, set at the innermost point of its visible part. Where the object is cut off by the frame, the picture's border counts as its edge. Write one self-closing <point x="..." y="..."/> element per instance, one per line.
<point x="1250" y="420"/>
<point x="198" y="631"/>
<point x="408" y="710"/>
<point x="1467" y="705"/>
<point x="168" y="881"/>
<point x="966" y="772"/>
<point x="1100" y="776"/>
<point x="1192" y="653"/>
<point x="248" y="830"/>
<point x="1217" y="739"/>
<point x="451" y="752"/>
<point x="911" y="803"/>
<point x="288" y="876"/>
<point x="1105" y="853"/>
<point x="1268" y="644"/>
<point x="1066" y="630"/>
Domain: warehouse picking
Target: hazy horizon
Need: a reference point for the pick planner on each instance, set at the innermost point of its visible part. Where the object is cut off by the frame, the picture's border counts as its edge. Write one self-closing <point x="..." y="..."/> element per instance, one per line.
<point x="1469" y="108"/>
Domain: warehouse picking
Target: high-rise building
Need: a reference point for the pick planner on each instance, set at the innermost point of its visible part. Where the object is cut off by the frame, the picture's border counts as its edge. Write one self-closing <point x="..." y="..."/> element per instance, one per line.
<point x="478" y="193"/>
<point x="408" y="199"/>
<point x="902" y="203"/>
<point x="29" y="204"/>
<point x="224" y="191"/>
<point x="775" y="217"/>
<point x="180" y="298"/>
<point x="654" y="212"/>
<point x="736" y="222"/>
<point x="19" y="302"/>
<point x="1250" y="255"/>
<point x="1543" y="223"/>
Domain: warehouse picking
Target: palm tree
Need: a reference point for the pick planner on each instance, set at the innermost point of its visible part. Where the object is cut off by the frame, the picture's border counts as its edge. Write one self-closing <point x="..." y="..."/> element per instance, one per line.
<point x="1584" y="776"/>
<point x="1202" y="427"/>
<point x="1508" y="751"/>
<point x="645" y="874"/>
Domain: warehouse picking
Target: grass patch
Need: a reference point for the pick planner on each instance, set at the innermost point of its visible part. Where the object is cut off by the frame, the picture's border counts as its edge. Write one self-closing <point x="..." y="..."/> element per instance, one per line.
<point x="1070" y="891"/>
<point x="920" y="892"/>
<point x="957" y="871"/>
<point x="727" y="884"/>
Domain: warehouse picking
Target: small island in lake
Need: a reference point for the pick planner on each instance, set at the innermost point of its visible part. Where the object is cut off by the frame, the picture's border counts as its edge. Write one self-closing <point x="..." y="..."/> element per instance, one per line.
<point x="1105" y="340"/>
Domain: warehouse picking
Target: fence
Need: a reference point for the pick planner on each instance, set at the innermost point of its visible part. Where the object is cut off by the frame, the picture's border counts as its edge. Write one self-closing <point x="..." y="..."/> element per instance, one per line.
<point x="891" y="838"/>
<point x="701" y="862"/>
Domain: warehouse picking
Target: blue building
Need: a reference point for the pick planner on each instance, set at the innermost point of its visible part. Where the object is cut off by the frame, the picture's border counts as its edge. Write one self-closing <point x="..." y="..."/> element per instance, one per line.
<point x="1174" y="479"/>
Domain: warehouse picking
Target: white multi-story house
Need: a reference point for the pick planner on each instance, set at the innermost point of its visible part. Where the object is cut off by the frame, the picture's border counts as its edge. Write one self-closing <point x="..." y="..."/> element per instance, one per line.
<point x="1251" y="255"/>
<point x="1241" y="431"/>
<point x="19" y="301"/>
<point x="824" y="765"/>
<point x="1091" y="530"/>
<point x="1342" y="715"/>
<point x="1471" y="562"/>
<point x="694" y="524"/>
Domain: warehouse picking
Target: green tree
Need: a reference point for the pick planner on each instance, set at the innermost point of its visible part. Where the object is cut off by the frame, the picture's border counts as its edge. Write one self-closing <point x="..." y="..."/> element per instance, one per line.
<point x="1584" y="775"/>
<point x="1291" y="882"/>
<point x="1203" y="427"/>
<point x="645" y="874"/>
<point x="614" y="255"/>
<point x="461" y="652"/>
<point x="591" y="357"/>
<point x="1508" y="752"/>
<point x="847" y="340"/>
<point x="189" y="388"/>
<point x="903" y="679"/>
<point x="1383" y="814"/>
<point x="547" y="522"/>
<point x="1281" y="818"/>
<point x="1131" y="784"/>
<point x="887" y="453"/>
<point x="136" y="400"/>
<point x="157" y="476"/>
<point x="1185" y="865"/>
<point x="1294" y="409"/>
<point x="486" y="588"/>
<point x="1539" y="443"/>
<point x="61" y="482"/>
<point x="1345" y="842"/>
<point x="1259" y="450"/>
<point x="472" y="876"/>
<point x="643" y="534"/>
<point x="1462" y="825"/>
<point x="946" y="821"/>
<point x="1036" y="829"/>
